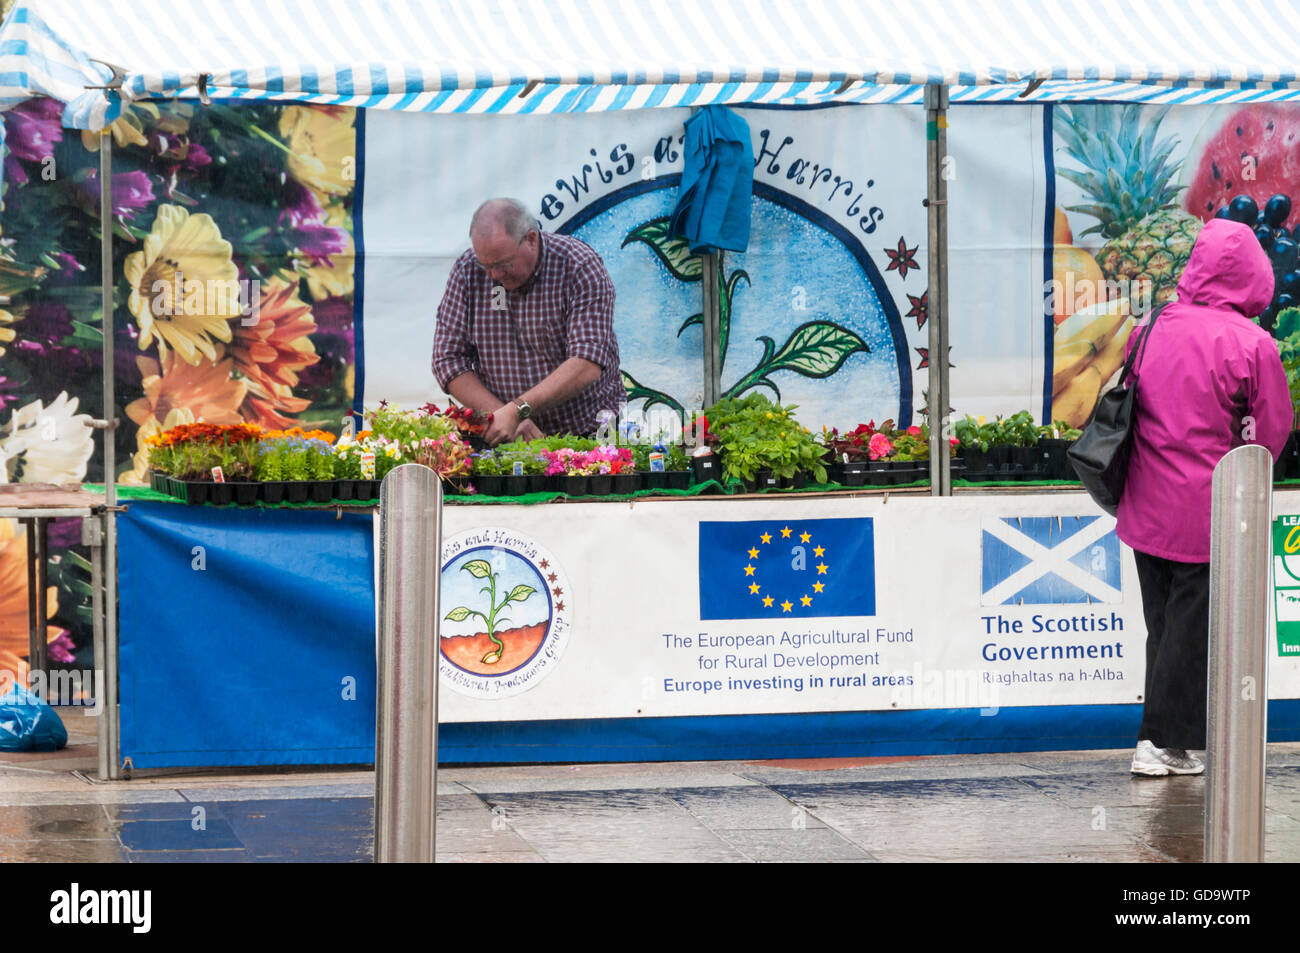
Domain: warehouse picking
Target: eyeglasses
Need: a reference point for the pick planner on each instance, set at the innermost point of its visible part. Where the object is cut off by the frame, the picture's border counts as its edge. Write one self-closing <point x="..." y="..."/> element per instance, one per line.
<point x="502" y="265"/>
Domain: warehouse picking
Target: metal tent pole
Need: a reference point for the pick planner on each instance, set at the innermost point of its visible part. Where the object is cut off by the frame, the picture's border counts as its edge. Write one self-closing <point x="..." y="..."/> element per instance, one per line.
<point x="109" y="733"/>
<point x="712" y="304"/>
<point x="936" y="203"/>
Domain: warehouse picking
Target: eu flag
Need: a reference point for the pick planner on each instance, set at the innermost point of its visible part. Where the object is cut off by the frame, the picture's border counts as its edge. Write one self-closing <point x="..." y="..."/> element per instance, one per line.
<point x="764" y="569"/>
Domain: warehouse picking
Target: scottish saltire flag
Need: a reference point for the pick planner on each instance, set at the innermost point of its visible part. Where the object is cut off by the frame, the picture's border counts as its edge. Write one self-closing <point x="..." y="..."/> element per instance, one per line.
<point x="1040" y="560"/>
<point x="767" y="569"/>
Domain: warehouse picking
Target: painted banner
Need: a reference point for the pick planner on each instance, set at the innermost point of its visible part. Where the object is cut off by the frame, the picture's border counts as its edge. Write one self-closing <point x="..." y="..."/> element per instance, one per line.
<point x="792" y="605"/>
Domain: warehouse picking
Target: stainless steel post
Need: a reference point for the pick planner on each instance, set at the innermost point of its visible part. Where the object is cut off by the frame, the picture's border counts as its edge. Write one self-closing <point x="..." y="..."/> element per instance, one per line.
<point x="1237" y="704"/>
<point x="406" y="727"/>
<point x="936" y="150"/>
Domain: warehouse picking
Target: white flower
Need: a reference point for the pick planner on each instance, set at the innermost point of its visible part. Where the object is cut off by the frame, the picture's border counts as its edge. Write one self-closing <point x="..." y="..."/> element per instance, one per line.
<point x="47" y="444"/>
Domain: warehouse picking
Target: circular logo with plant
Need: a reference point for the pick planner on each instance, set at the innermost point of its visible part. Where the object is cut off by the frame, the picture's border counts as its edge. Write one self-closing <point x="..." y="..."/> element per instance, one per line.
<point x="506" y="613"/>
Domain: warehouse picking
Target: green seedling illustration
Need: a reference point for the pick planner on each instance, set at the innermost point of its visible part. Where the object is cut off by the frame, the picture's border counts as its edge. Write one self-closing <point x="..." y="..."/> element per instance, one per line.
<point x="816" y="349"/>
<point x="481" y="569"/>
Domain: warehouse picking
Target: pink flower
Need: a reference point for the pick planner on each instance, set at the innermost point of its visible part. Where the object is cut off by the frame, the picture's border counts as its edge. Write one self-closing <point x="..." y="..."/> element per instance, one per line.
<point x="914" y="431"/>
<point x="60" y="650"/>
<point x="879" y="446"/>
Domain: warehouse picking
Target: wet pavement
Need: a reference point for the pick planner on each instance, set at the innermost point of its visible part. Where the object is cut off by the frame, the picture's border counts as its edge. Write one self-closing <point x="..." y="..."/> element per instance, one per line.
<point x="1043" y="806"/>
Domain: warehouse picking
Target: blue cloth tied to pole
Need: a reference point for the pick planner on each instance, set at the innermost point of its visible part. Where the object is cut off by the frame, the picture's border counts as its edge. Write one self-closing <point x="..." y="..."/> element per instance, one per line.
<point x="717" y="183"/>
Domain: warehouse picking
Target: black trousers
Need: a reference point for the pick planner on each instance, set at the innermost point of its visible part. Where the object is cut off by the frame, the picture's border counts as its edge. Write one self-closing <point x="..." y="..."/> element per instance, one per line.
<point x="1176" y="605"/>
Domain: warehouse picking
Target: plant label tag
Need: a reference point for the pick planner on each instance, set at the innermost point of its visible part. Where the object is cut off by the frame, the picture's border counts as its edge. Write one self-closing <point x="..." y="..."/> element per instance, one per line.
<point x="656" y="462"/>
<point x="518" y="469"/>
<point x="367" y="466"/>
<point x="217" y="475"/>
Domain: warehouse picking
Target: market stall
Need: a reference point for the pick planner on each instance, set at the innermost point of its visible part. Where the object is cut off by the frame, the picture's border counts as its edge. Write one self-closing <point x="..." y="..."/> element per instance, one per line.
<point x="864" y="261"/>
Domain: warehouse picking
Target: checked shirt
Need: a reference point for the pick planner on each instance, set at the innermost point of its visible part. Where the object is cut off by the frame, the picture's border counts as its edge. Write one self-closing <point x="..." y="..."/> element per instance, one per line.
<point x="565" y="310"/>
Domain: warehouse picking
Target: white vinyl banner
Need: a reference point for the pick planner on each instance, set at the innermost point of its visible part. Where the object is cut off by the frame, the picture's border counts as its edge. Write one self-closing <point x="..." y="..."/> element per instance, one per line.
<point x="703" y="607"/>
<point x="828" y="307"/>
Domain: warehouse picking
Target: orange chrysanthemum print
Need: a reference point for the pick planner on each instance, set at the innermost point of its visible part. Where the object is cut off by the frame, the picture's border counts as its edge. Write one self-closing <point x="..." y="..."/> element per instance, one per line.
<point x="270" y="352"/>
<point x="207" y="391"/>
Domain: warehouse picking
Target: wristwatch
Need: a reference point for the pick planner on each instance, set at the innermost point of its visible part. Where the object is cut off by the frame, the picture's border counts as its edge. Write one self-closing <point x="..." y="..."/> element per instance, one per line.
<point x="525" y="409"/>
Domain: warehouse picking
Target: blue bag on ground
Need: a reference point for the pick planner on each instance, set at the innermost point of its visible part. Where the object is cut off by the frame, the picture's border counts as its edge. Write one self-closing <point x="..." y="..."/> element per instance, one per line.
<point x="28" y="724"/>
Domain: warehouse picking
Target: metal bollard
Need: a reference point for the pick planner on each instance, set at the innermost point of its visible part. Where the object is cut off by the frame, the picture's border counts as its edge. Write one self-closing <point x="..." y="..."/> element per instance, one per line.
<point x="406" y="720"/>
<point x="1237" y="703"/>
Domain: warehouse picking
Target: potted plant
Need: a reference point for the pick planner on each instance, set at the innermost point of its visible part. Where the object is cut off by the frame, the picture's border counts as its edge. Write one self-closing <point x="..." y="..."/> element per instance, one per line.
<point x="762" y="443"/>
<point x="1053" y="441"/>
<point x="974" y="437"/>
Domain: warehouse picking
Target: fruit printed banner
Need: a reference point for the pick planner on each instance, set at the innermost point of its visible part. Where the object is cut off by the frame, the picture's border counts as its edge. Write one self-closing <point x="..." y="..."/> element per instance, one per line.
<point x="1133" y="186"/>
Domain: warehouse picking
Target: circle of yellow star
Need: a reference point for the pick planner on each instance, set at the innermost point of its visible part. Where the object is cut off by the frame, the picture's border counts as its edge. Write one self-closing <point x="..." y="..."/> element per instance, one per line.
<point x="753" y="553"/>
<point x="787" y="606"/>
<point x="749" y="570"/>
<point x="819" y="551"/>
<point x="766" y="537"/>
<point x="805" y="537"/>
<point x="785" y="533"/>
<point x="767" y="601"/>
<point x="818" y="586"/>
<point x="806" y="600"/>
<point x="821" y="569"/>
<point x="753" y="588"/>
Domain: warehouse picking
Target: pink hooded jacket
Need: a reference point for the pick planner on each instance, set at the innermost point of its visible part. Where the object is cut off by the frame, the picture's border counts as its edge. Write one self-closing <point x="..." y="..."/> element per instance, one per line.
<point x="1206" y="367"/>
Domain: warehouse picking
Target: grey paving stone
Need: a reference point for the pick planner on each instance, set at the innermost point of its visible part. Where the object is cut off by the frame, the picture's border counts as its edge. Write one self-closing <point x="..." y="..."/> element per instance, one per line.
<point x="611" y="826"/>
<point x="749" y="808"/>
<point x="605" y="783"/>
<point x="813" y="844"/>
<point x="910" y="771"/>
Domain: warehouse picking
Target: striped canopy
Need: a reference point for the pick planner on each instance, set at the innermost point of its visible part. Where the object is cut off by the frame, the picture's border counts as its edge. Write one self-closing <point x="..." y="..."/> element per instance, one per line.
<point x="458" y="56"/>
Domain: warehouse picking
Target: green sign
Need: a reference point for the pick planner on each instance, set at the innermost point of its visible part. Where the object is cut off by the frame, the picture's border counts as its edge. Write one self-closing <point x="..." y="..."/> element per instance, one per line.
<point x="1286" y="583"/>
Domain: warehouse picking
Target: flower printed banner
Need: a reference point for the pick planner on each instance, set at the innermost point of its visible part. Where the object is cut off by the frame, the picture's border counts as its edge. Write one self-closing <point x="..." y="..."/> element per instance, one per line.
<point x="233" y="261"/>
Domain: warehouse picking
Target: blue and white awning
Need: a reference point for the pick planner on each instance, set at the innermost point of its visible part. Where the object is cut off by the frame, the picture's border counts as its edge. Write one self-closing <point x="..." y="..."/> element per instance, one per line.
<point x="466" y="56"/>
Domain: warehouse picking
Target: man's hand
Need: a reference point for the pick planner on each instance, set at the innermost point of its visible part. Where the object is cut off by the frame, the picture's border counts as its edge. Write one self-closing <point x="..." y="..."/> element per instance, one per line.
<point x="503" y="424"/>
<point x="528" y="431"/>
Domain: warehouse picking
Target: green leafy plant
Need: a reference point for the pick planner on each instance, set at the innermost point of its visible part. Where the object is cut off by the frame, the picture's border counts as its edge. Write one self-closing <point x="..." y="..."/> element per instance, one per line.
<point x="755" y="434"/>
<point x="975" y="432"/>
<point x="816" y="349"/>
<point x="482" y="569"/>
<point x="1018" y="430"/>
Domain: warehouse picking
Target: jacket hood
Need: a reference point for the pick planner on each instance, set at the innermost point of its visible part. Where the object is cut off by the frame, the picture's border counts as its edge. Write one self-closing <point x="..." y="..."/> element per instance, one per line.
<point x="1227" y="269"/>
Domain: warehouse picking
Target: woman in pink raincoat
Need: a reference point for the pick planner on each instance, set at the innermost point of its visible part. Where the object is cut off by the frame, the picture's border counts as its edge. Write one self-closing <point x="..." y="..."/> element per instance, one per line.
<point x="1210" y="380"/>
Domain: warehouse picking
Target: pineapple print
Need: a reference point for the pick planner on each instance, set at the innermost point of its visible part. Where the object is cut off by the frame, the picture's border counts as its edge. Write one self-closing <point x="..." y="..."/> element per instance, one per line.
<point x="1127" y="174"/>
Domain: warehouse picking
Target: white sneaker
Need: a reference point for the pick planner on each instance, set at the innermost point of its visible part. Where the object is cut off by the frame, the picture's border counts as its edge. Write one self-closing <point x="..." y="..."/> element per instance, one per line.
<point x="1157" y="762"/>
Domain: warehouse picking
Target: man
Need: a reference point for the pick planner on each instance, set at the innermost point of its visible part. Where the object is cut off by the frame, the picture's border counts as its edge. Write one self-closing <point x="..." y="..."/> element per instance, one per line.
<point x="525" y="329"/>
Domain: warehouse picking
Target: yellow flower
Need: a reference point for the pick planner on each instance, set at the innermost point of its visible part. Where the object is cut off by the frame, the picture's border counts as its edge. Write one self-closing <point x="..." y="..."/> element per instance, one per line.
<point x="6" y="334"/>
<point x="13" y="603"/>
<point x="151" y="428"/>
<point x="322" y="149"/>
<point x="127" y="130"/>
<point x="980" y="419"/>
<point x="183" y="248"/>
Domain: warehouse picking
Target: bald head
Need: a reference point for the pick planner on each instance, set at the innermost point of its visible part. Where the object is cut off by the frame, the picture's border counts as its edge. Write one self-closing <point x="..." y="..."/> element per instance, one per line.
<point x="508" y="216"/>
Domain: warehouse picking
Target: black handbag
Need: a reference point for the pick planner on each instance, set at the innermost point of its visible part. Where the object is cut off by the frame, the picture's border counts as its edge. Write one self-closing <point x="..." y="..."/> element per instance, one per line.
<point x="1100" y="455"/>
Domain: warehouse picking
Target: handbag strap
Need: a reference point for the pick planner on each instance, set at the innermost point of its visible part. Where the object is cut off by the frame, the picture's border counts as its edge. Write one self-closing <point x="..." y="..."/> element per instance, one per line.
<point x="1130" y="367"/>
